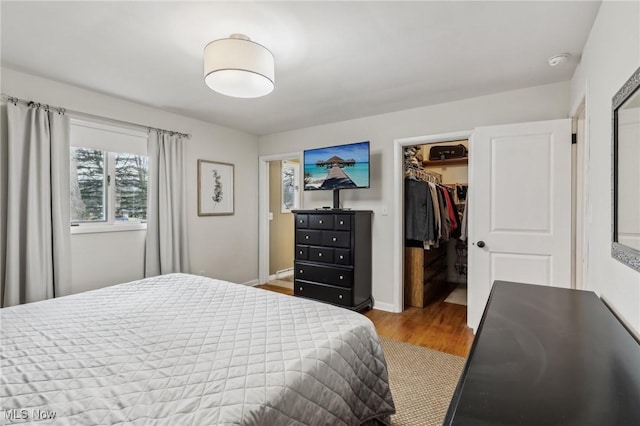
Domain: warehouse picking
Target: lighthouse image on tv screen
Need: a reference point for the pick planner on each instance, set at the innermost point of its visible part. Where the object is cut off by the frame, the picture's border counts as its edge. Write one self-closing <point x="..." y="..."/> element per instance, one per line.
<point x="337" y="167"/>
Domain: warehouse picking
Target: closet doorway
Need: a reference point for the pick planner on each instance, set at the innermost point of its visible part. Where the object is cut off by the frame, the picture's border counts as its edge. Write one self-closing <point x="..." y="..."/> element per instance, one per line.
<point x="435" y="254"/>
<point x="280" y="194"/>
<point x="399" y="200"/>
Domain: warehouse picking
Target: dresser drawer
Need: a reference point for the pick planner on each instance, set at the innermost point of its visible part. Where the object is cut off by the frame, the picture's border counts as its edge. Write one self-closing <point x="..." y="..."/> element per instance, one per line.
<point x="302" y="221"/>
<point x="324" y="274"/>
<point x="342" y="256"/>
<point x="336" y="295"/>
<point x="336" y="239"/>
<point x="307" y="236"/>
<point x="321" y="254"/>
<point x="302" y="252"/>
<point x="321" y="221"/>
<point x="343" y="222"/>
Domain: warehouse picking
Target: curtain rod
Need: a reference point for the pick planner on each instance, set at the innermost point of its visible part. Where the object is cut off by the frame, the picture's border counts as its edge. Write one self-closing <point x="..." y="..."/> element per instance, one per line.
<point x="61" y="110"/>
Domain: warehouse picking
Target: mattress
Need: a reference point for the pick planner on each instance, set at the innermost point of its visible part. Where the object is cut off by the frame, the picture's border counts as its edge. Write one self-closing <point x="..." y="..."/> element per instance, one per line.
<point x="188" y="350"/>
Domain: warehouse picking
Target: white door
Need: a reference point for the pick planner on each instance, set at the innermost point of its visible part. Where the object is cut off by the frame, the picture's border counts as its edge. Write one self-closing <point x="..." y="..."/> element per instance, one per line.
<point x="520" y="211"/>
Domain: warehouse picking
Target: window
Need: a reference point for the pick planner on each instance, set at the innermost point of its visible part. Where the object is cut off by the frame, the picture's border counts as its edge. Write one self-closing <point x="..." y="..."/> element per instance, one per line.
<point x="108" y="179"/>
<point x="290" y="186"/>
<point x="130" y="187"/>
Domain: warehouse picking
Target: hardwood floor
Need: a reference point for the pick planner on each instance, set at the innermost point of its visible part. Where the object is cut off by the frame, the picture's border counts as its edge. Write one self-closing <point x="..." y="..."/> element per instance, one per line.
<point x="276" y="288"/>
<point x="441" y="326"/>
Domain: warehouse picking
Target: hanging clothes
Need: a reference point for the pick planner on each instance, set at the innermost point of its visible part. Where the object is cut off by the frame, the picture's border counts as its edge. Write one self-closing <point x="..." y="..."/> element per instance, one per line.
<point x="461" y="192"/>
<point x="436" y="210"/>
<point x="419" y="213"/>
<point x="444" y="215"/>
<point x="464" y="227"/>
<point x="450" y="206"/>
<point x="431" y="213"/>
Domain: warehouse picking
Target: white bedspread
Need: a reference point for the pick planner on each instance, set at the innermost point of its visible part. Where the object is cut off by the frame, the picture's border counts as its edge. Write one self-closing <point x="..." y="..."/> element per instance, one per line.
<point x="186" y="350"/>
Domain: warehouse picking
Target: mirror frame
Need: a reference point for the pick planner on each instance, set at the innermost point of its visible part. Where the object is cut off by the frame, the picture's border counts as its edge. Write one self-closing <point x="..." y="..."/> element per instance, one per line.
<point x="625" y="254"/>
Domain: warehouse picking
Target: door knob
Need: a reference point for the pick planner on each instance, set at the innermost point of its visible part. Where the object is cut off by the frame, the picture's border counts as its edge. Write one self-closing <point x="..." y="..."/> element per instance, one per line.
<point x="480" y="244"/>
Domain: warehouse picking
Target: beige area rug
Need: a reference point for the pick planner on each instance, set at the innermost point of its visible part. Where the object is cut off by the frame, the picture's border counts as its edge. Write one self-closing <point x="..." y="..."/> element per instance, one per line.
<point x="458" y="295"/>
<point x="422" y="382"/>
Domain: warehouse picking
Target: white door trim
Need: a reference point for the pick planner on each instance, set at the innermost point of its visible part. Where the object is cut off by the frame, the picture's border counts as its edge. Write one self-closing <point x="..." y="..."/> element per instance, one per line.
<point x="398" y="204"/>
<point x="580" y="252"/>
<point x="263" y="210"/>
<point x="581" y="107"/>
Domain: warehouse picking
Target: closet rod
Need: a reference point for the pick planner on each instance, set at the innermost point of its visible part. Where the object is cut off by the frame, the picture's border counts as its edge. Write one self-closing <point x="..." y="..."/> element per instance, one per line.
<point x="423" y="174"/>
<point x="80" y="114"/>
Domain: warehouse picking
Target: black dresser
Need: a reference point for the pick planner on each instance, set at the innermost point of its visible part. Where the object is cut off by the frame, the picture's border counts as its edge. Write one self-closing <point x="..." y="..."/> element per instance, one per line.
<point x="548" y="356"/>
<point x="333" y="257"/>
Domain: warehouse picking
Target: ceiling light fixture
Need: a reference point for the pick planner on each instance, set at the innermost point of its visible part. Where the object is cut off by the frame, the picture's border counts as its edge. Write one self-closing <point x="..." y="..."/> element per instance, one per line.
<point x="239" y="67"/>
<point x="558" y="59"/>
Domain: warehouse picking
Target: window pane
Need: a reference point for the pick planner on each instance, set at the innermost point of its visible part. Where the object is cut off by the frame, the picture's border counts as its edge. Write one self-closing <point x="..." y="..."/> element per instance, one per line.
<point x="289" y="186"/>
<point x="131" y="188"/>
<point x="87" y="185"/>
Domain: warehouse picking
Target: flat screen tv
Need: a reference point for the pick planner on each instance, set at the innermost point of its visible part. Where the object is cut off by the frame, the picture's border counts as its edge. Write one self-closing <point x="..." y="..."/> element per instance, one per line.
<point x="337" y="167"/>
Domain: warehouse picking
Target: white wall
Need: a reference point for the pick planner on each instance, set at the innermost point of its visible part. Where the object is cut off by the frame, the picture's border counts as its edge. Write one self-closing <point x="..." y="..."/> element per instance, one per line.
<point x="223" y="247"/>
<point x="532" y="104"/>
<point x="99" y="260"/>
<point x="611" y="55"/>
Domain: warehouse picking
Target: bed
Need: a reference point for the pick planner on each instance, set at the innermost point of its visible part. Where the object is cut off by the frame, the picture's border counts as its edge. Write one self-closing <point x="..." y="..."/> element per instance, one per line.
<point x="187" y="350"/>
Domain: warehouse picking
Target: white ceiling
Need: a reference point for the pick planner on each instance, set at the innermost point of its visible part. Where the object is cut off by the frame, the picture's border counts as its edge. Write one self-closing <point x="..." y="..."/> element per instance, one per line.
<point x="334" y="61"/>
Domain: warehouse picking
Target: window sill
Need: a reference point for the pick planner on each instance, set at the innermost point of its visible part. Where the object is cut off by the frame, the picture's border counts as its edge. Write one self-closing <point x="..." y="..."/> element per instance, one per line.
<point x="88" y="228"/>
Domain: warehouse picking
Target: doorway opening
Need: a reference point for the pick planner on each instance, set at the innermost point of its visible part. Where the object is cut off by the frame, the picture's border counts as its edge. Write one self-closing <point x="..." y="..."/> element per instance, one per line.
<point x="280" y="188"/>
<point x="436" y="181"/>
<point x="402" y="254"/>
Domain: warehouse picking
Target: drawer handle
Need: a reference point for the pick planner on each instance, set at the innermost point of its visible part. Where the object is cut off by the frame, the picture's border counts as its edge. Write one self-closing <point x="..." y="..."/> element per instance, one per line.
<point x="306" y="237"/>
<point x="301" y="271"/>
<point x="342" y="277"/>
<point x="334" y="239"/>
<point x="319" y="254"/>
<point x="341" y="257"/>
<point x="339" y="296"/>
<point x="301" y="252"/>
<point x="320" y="221"/>
<point x="342" y="222"/>
<point x="300" y="288"/>
<point x="301" y="221"/>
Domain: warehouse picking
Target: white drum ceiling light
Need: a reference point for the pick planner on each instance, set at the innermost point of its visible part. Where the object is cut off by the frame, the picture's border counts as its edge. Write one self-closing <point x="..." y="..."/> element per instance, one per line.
<point x="239" y="67"/>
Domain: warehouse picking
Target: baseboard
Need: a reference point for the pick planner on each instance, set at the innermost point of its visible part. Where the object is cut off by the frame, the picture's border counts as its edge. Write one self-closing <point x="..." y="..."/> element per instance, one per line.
<point x="279" y="275"/>
<point x="383" y="306"/>
<point x="251" y="283"/>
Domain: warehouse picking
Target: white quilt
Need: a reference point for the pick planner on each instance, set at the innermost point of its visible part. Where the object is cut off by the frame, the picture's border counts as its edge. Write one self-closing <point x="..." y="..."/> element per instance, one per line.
<point x="186" y="350"/>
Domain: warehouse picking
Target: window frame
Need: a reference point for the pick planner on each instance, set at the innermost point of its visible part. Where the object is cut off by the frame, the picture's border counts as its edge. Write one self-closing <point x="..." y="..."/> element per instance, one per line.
<point x="295" y="166"/>
<point x="109" y="224"/>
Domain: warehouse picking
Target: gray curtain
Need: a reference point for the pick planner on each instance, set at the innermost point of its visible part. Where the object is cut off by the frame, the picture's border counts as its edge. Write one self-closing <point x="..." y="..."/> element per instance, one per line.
<point x="35" y="255"/>
<point x="166" y="245"/>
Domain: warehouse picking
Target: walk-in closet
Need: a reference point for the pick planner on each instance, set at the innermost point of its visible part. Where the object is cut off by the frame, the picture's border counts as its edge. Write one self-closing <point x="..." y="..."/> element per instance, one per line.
<point x="435" y="213"/>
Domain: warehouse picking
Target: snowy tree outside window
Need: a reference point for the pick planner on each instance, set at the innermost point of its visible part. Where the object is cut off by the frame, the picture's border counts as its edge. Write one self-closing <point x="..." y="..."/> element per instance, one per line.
<point x="108" y="174"/>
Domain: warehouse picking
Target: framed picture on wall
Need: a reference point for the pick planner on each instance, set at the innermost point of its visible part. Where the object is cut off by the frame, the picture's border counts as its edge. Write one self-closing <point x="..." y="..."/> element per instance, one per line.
<point x="215" y="188"/>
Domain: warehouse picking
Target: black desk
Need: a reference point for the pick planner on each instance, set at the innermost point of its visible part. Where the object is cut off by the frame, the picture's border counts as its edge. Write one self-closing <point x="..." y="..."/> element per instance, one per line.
<point x="548" y="356"/>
